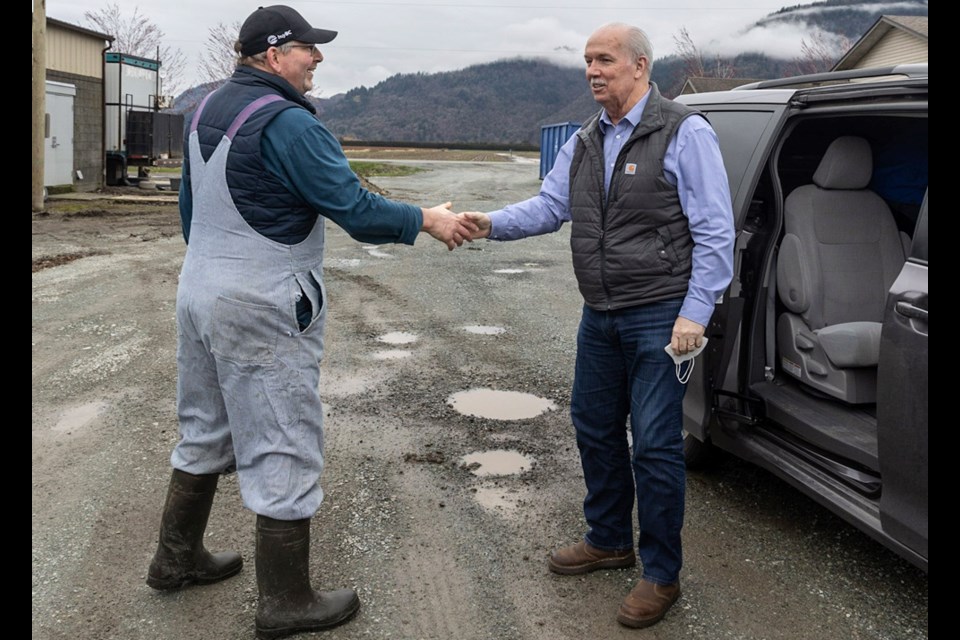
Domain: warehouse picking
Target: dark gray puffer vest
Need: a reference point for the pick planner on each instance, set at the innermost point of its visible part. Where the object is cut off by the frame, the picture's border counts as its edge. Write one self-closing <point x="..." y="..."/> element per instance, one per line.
<point x="631" y="246"/>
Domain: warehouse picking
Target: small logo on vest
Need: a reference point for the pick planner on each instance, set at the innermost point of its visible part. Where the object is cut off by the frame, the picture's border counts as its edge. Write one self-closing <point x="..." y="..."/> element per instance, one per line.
<point x="630" y="169"/>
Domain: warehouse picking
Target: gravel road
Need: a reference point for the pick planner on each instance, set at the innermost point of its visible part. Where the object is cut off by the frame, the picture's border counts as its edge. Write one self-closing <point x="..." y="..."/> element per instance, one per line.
<point x="440" y="542"/>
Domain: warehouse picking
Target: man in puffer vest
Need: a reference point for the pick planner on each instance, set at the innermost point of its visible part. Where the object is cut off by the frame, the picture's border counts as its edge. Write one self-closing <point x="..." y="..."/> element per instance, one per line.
<point x="644" y="187"/>
<point x="260" y="176"/>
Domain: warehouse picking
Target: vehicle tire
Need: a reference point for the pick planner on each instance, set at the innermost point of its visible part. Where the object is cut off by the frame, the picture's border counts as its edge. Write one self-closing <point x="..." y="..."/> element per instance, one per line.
<point x="697" y="454"/>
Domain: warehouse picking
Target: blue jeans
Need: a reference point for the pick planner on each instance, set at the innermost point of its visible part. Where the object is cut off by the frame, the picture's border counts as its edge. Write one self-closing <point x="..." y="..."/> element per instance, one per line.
<point x="622" y="370"/>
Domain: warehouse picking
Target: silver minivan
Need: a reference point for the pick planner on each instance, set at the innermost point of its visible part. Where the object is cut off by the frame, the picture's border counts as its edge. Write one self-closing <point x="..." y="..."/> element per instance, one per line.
<point x="816" y="366"/>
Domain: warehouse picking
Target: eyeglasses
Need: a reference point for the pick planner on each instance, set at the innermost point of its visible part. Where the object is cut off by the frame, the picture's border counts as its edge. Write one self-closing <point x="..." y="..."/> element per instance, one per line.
<point x="310" y="47"/>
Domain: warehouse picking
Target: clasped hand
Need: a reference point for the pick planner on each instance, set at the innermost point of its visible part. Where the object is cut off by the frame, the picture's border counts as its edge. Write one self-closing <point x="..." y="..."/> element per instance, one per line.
<point x="453" y="229"/>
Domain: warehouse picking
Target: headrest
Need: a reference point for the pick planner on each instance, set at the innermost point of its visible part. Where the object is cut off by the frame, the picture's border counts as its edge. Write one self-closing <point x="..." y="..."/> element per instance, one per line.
<point x="847" y="164"/>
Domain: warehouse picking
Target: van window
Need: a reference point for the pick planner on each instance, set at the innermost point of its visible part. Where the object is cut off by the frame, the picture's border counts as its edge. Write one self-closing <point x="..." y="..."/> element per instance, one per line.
<point x="739" y="133"/>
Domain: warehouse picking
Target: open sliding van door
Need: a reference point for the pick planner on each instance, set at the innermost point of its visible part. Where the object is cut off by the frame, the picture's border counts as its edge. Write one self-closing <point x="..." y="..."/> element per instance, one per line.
<point x="902" y="410"/>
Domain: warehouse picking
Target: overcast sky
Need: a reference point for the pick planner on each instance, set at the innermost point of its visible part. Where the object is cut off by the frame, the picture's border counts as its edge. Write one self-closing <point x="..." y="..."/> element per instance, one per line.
<point x="378" y="39"/>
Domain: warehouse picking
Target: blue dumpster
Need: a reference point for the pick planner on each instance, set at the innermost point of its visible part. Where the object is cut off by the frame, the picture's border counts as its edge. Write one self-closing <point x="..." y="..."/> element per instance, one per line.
<point x="552" y="137"/>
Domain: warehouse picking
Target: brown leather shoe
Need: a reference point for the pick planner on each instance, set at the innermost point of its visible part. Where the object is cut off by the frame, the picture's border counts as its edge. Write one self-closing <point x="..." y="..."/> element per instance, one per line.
<point x="647" y="603"/>
<point x="583" y="558"/>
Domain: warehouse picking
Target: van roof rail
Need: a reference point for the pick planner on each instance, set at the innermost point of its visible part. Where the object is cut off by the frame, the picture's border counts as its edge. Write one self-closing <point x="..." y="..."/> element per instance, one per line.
<point x="916" y="70"/>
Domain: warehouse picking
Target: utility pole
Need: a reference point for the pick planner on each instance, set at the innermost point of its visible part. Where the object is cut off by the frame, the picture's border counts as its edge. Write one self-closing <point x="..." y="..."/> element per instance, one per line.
<point x="39" y="98"/>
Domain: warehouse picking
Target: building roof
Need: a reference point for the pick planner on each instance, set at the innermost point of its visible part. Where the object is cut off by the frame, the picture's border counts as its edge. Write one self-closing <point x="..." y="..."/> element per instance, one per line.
<point x="73" y="27"/>
<point x="915" y="26"/>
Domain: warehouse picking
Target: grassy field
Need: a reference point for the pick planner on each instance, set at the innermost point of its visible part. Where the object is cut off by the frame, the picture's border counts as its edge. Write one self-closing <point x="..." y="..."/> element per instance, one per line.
<point x="360" y="167"/>
<point x="464" y="155"/>
<point x="363" y="160"/>
<point x="376" y="169"/>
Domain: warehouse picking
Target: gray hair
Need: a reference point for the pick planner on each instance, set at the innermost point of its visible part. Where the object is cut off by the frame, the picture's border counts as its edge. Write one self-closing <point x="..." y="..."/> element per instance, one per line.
<point x="636" y="43"/>
<point x="257" y="58"/>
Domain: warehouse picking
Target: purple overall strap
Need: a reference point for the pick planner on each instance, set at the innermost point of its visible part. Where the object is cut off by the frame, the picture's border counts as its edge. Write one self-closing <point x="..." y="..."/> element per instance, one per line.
<point x="248" y="111"/>
<point x="241" y="117"/>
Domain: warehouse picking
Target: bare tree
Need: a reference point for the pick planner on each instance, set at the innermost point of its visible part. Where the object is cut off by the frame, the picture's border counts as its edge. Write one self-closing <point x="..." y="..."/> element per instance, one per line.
<point x="819" y="53"/>
<point x="694" y="63"/>
<point x="221" y="58"/>
<point x="690" y="54"/>
<point x="695" y="66"/>
<point x="137" y="35"/>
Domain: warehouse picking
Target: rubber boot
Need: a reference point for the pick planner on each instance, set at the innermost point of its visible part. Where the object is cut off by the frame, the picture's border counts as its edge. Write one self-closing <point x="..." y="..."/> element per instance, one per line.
<point x="181" y="559"/>
<point x="288" y="604"/>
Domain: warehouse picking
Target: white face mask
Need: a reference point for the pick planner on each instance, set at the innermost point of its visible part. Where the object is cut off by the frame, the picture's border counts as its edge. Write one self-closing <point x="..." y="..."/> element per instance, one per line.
<point x="683" y="374"/>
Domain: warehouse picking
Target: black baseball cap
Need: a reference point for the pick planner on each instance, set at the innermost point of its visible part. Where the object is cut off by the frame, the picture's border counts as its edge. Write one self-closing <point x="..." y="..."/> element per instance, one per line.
<point x="274" y="25"/>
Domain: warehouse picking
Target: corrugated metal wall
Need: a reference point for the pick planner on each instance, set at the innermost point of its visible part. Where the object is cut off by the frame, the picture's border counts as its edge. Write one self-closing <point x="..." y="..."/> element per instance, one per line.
<point x="76" y="58"/>
<point x="552" y="137"/>
<point x="72" y="52"/>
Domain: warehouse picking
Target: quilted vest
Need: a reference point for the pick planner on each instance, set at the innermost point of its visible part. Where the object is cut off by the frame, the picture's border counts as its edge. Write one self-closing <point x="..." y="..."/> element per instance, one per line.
<point x="631" y="245"/>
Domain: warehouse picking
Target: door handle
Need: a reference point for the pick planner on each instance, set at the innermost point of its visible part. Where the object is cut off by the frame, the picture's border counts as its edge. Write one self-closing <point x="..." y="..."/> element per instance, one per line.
<point x="910" y="311"/>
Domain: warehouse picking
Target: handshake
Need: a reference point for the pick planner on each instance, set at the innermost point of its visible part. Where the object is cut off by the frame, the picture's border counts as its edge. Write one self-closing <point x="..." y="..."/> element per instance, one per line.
<point x="453" y="229"/>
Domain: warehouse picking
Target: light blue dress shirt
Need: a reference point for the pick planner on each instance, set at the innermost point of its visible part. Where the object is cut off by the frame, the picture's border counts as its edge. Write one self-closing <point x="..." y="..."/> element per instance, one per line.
<point x="692" y="163"/>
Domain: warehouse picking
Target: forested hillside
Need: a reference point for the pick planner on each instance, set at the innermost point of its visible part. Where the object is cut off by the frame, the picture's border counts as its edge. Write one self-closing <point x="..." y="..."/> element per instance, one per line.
<point x="511" y="98"/>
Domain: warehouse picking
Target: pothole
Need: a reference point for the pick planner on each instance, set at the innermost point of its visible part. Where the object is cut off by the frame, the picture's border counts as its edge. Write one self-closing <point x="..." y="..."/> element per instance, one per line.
<point x="500" y="405"/>
<point x="78" y="417"/>
<point x="483" y="330"/>
<point x="398" y="337"/>
<point x="498" y="462"/>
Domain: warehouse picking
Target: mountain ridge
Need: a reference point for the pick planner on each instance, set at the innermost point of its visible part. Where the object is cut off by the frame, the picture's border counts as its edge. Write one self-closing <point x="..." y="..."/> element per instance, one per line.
<point x="508" y="101"/>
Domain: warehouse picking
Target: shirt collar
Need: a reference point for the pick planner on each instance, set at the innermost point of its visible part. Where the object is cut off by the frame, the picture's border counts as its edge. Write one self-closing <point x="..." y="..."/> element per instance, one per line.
<point x="632" y="118"/>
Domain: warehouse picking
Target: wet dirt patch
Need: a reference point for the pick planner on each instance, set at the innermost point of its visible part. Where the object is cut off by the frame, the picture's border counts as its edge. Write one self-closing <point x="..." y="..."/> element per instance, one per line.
<point x="391" y="354"/>
<point x="76" y="418"/>
<point x="45" y="262"/>
<point x="433" y="457"/>
<point x="483" y="330"/>
<point x="499" y="462"/>
<point x="398" y="337"/>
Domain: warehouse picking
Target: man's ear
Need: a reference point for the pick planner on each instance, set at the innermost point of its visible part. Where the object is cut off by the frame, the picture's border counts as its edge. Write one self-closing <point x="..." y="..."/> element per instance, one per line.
<point x="273" y="58"/>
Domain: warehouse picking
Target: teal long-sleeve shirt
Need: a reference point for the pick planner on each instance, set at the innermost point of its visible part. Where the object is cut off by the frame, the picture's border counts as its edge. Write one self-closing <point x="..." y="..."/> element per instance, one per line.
<point x="305" y="156"/>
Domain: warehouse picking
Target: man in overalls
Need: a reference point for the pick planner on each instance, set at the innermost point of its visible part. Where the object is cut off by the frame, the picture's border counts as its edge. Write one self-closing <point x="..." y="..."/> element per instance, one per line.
<point x="260" y="176"/>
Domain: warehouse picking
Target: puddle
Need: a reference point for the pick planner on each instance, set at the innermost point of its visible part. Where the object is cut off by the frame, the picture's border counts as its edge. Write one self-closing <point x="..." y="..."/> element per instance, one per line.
<point x="499" y="462"/>
<point x="499" y="405"/>
<point x="377" y="253"/>
<point x="483" y="330"/>
<point x="391" y="354"/>
<point x="78" y="417"/>
<point x="508" y="270"/>
<point x="398" y="337"/>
